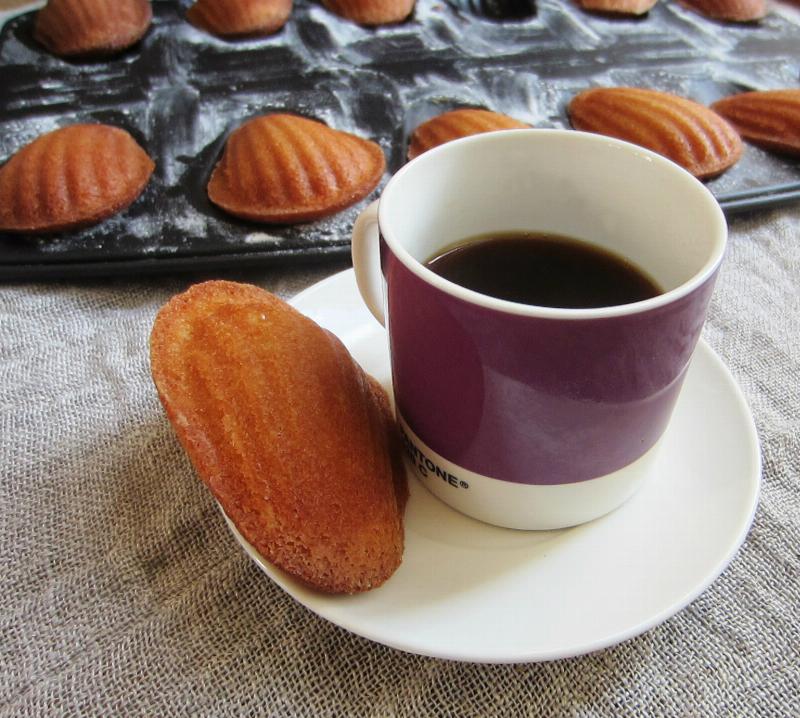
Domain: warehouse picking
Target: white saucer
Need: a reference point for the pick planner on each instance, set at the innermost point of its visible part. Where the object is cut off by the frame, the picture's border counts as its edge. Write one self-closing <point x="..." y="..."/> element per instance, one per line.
<point x="474" y="592"/>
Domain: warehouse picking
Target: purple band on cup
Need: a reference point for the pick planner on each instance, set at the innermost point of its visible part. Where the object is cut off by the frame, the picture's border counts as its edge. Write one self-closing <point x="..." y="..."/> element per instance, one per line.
<point x="586" y="397"/>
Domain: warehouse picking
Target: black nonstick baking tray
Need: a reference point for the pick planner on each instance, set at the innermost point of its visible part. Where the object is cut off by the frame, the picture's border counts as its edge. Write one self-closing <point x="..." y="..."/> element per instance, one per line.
<point x="180" y="92"/>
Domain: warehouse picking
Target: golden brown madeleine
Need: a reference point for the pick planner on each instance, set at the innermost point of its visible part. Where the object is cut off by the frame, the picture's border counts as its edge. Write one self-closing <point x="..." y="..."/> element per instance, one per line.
<point x="91" y="27"/>
<point x="618" y="7"/>
<point x="240" y="18"/>
<point x="686" y="132"/>
<point x="770" y="118"/>
<point x="371" y="12"/>
<point x="294" y="440"/>
<point x="456" y="124"/>
<point x="284" y="168"/>
<point x="71" y="177"/>
<point x="729" y="10"/>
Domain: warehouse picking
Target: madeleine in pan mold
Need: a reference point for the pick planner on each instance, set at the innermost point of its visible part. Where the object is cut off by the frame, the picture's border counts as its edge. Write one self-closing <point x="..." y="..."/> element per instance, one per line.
<point x="71" y="177"/>
<point x="371" y="12"/>
<point x="76" y="28"/>
<point x="689" y="134"/>
<point x="240" y="18"/>
<point x="294" y="440"/>
<point x="286" y="169"/>
<point x="729" y="10"/>
<point x="768" y="118"/>
<point x="456" y="124"/>
<point x="618" y="7"/>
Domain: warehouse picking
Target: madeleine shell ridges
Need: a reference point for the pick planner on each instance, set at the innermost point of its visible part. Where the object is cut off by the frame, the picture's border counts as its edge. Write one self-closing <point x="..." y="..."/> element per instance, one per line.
<point x="371" y="12"/>
<point x="455" y="124"/>
<point x="91" y="27"/>
<point x="618" y="7"/>
<point x="294" y="440"/>
<point x="283" y="168"/>
<point x="689" y="134"/>
<point x="729" y="10"/>
<point x="239" y="18"/>
<point x="768" y="118"/>
<point x="71" y="177"/>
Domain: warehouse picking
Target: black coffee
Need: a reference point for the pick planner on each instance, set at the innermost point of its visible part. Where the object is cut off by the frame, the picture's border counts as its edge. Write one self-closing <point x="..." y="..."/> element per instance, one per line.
<point x="547" y="270"/>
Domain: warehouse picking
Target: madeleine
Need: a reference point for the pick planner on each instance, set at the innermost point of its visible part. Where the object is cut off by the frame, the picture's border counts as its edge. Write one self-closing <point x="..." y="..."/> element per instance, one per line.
<point x="240" y="18"/>
<point x="72" y="177"/>
<point x="689" y="134"/>
<point x="286" y="169"/>
<point x="456" y="124"/>
<point x="73" y="28"/>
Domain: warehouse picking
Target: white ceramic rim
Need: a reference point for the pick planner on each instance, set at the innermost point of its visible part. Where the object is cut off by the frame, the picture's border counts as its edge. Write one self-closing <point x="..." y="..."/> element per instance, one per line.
<point x="715" y="216"/>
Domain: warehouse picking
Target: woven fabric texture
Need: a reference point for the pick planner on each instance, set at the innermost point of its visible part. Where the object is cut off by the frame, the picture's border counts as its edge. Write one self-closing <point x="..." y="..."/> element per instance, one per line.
<point x="122" y="592"/>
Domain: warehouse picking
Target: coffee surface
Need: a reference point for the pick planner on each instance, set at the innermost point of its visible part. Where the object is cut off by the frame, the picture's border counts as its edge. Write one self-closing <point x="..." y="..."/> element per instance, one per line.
<point x="546" y="270"/>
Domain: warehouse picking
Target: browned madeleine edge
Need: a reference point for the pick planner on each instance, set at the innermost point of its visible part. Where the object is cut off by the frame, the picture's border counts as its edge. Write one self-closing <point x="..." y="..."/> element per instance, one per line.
<point x="75" y="219"/>
<point x="117" y="38"/>
<point x="617" y="7"/>
<point x="200" y="14"/>
<point x="733" y="11"/>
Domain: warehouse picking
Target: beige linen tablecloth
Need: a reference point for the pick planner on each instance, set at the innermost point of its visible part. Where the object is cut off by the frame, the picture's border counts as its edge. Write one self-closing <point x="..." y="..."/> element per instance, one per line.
<point x="123" y="593"/>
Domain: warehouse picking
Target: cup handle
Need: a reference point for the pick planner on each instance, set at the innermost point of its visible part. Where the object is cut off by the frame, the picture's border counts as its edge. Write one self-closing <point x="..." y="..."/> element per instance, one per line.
<point x="367" y="262"/>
